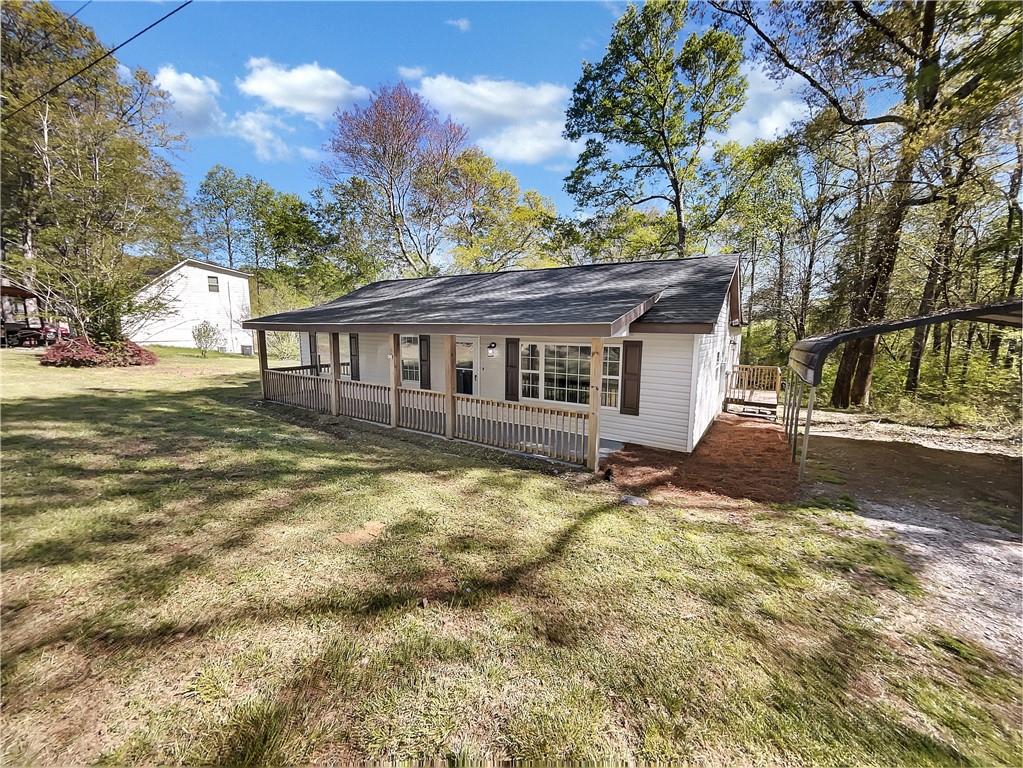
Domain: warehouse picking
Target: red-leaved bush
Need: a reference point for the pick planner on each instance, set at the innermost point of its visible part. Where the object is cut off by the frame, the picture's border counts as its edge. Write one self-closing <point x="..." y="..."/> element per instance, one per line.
<point x="79" y="353"/>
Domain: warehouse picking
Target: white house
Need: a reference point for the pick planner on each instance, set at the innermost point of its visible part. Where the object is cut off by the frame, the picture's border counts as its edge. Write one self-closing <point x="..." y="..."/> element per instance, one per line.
<point x="508" y="358"/>
<point x="196" y="291"/>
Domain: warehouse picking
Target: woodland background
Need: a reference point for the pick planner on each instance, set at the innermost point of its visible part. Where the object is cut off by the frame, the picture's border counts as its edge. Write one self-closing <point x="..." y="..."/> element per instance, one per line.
<point x="898" y="195"/>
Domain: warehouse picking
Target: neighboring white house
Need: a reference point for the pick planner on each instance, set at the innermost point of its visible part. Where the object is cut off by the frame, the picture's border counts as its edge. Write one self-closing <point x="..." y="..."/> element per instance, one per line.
<point x="196" y="291"/>
<point x="669" y="335"/>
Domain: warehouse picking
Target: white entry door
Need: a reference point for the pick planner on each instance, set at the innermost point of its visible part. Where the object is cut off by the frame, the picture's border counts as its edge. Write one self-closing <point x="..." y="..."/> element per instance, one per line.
<point x="467" y="365"/>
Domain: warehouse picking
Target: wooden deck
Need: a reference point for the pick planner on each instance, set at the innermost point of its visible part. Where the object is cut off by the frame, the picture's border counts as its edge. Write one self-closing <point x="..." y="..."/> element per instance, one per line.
<point x="756" y="389"/>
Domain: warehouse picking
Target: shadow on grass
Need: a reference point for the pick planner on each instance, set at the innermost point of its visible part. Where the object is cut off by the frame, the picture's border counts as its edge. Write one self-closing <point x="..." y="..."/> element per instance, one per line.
<point x="176" y="462"/>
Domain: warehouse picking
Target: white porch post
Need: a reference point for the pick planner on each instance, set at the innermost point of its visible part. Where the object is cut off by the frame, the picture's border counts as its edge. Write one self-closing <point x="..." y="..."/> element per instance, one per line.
<point x="335" y="373"/>
<point x="449" y="386"/>
<point x="395" y="376"/>
<point x="596" y="386"/>
<point x="261" y="351"/>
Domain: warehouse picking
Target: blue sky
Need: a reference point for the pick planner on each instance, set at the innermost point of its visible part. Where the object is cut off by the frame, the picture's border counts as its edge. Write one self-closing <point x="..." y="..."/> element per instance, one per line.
<point x="254" y="84"/>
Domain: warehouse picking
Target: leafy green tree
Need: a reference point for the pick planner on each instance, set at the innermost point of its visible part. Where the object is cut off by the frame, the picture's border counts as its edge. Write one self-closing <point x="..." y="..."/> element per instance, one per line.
<point x="223" y="207"/>
<point x="657" y="103"/>
<point x="90" y="202"/>
<point x="498" y="226"/>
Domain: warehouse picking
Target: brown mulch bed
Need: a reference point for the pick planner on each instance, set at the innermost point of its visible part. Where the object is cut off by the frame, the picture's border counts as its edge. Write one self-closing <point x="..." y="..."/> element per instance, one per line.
<point x="742" y="458"/>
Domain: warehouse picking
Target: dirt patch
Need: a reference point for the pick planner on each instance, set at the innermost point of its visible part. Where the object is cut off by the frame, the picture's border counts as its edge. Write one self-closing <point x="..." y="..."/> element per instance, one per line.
<point x="739" y="457"/>
<point x="865" y="426"/>
<point x="369" y="531"/>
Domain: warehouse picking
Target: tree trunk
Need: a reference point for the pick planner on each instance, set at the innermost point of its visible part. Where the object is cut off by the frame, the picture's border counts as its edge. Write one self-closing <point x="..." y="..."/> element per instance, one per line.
<point x="872" y="302"/>
<point x="936" y="267"/>
<point x="779" y="298"/>
<point x="680" y="225"/>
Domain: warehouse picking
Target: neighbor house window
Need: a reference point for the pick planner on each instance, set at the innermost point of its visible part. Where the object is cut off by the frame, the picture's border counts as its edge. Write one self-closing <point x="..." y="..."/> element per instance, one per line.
<point x="410" y="358"/>
<point x="213" y="283"/>
<point x="611" y="383"/>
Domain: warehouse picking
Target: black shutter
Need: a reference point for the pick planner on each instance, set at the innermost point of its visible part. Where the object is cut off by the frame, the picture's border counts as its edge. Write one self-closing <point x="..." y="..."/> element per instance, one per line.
<point x="511" y="369"/>
<point x="632" y="362"/>
<point x="353" y="356"/>
<point x="424" y="362"/>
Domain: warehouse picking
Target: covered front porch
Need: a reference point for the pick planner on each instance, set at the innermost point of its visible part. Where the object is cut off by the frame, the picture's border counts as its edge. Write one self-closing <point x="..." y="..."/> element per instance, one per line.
<point x="455" y="408"/>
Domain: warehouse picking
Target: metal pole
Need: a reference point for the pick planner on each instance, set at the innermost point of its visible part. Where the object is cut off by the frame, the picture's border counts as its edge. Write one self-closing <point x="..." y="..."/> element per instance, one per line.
<point x="795" y="417"/>
<point x="806" y="431"/>
<point x="790" y="391"/>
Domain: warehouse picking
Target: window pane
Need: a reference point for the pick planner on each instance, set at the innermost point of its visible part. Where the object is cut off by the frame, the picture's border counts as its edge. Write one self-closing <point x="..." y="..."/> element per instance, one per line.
<point x="214" y="284"/>
<point x="609" y="394"/>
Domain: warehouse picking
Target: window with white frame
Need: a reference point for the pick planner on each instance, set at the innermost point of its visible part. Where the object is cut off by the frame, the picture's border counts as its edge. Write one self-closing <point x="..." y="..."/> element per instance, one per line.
<point x="529" y="368"/>
<point x="410" y="358"/>
<point x="611" y="384"/>
<point x="561" y="373"/>
<point x="213" y="283"/>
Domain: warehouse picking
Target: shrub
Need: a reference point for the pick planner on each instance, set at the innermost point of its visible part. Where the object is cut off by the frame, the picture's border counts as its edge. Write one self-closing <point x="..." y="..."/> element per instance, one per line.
<point x="207" y="336"/>
<point x="80" y="353"/>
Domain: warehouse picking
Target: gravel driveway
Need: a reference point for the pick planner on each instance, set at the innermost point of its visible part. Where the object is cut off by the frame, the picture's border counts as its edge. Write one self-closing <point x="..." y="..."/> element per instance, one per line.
<point x="955" y="503"/>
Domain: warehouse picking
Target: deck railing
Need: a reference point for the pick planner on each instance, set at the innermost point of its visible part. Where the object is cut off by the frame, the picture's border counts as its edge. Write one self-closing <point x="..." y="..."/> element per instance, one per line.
<point x="363" y="400"/>
<point x="422" y="409"/>
<point x="557" y="433"/>
<point x="753" y="378"/>
<point x="298" y="389"/>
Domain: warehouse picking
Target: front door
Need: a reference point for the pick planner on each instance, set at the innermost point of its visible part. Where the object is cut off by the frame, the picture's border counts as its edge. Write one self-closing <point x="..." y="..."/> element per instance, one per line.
<point x="465" y="365"/>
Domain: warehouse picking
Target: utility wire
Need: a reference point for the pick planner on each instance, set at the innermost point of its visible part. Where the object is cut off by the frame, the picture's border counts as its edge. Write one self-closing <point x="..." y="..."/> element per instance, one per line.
<point x="81" y="8"/>
<point x="92" y="64"/>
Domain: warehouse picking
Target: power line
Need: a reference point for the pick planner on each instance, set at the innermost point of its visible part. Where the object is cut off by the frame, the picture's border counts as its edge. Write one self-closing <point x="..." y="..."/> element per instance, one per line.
<point x="81" y="8"/>
<point x="92" y="64"/>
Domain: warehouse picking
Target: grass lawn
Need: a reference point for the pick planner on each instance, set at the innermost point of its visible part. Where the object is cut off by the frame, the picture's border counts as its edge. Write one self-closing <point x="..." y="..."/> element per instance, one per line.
<point x="192" y="576"/>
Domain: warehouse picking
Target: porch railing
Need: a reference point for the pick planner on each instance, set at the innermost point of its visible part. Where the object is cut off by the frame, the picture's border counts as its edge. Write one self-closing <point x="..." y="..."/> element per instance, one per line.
<point x="298" y="389"/>
<point x="422" y="410"/>
<point x="558" y="433"/>
<point x="363" y="400"/>
<point x="554" y="432"/>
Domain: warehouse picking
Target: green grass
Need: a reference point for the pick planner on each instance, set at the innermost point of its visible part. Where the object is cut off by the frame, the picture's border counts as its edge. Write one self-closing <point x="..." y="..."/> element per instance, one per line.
<point x="192" y="576"/>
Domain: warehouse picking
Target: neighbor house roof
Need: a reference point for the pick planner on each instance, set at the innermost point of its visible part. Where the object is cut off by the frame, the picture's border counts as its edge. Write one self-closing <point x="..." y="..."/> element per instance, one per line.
<point x="156" y="275"/>
<point x="681" y="295"/>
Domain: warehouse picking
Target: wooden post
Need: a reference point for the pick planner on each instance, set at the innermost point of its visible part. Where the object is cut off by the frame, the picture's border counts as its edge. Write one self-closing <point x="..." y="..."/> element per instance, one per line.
<point x="335" y="373"/>
<point x="596" y="386"/>
<point x="261" y="351"/>
<point x="395" y="376"/>
<point x="314" y="356"/>
<point x="449" y="384"/>
<point x="806" y="432"/>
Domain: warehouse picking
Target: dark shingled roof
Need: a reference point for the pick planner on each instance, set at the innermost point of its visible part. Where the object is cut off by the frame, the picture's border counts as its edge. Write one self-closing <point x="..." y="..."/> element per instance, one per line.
<point x="689" y="290"/>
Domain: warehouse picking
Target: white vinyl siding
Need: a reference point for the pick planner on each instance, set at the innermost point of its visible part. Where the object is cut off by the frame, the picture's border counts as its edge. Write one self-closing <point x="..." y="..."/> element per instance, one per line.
<point x="189" y="302"/>
<point x="664" y="383"/>
<point x="714" y="359"/>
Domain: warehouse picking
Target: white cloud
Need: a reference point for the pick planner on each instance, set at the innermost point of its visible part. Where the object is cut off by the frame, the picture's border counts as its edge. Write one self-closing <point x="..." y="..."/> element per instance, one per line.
<point x="515" y="122"/>
<point x="462" y="25"/>
<point x="527" y="142"/>
<point x="262" y="131"/>
<point x="194" y="98"/>
<point x="411" y="73"/>
<point x="309" y="153"/>
<point x="771" y="108"/>
<point x="308" y="89"/>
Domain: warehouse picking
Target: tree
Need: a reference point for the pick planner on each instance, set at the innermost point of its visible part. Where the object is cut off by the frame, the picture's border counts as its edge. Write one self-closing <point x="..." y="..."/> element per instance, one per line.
<point x="407" y="158"/>
<point x="206" y="337"/>
<point x="948" y="63"/>
<point x="658" y="100"/>
<point x="498" y="226"/>
<point x="90" y="203"/>
<point x="222" y="205"/>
